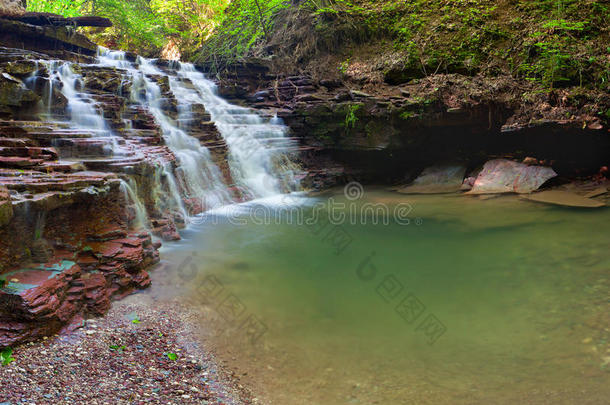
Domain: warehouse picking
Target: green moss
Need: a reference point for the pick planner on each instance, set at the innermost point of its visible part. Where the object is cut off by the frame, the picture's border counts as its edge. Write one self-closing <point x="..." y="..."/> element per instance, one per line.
<point x="406" y="115"/>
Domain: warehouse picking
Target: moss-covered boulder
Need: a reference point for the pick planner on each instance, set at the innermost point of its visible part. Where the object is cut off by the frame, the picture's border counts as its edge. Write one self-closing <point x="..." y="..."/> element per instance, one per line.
<point x="14" y="93"/>
<point x="20" y="68"/>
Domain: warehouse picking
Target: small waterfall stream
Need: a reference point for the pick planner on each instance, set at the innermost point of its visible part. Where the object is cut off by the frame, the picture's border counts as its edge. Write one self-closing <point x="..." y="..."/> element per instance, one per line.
<point x="81" y="108"/>
<point x="253" y="154"/>
<point x="131" y="197"/>
<point x="257" y="144"/>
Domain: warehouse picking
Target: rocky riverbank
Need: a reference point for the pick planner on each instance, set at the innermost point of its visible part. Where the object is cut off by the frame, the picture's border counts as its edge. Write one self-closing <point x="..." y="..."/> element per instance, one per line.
<point x="140" y="352"/>
<point x="85" y="178"/>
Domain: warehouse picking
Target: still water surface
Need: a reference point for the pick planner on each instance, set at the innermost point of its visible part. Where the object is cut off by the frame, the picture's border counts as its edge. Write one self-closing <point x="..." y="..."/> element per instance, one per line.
<point x="495" y="301"/>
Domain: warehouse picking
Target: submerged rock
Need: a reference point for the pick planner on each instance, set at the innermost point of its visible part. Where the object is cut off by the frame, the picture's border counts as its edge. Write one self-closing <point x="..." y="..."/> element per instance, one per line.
<point x="564" y="198"/>
<point x="437" y="180"/>
<point x="507" y="176"/>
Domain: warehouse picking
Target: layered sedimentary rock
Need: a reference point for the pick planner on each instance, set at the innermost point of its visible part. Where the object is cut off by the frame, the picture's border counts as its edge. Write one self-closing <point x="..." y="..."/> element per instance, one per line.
<point x="389" y="133"/>
<point x="60" y="41"/>
<point x="85" y="177"/>
<point x="56" y="20"/>
<point x="76" y="282"/>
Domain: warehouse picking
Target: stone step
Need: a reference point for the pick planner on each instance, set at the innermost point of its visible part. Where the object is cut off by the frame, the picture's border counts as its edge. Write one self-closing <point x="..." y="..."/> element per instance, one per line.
<point x="48" y="137"/>
<point x="16" y="142"/>
<point x="110" y="164"/>
<point x="62" y="166"/>
<point x="19" y="162"/>
<point x="75" y="147"/>
<point x="29" y="151"/>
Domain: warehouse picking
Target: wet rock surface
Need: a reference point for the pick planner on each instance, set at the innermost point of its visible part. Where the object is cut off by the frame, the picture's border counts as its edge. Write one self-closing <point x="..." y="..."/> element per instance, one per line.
<point x="74" y="196"/>
<point x="38" y="301"/>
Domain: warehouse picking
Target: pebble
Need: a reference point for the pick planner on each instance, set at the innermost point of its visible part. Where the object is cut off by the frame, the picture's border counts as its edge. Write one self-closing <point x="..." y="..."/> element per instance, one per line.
<point x="75" y="369"/>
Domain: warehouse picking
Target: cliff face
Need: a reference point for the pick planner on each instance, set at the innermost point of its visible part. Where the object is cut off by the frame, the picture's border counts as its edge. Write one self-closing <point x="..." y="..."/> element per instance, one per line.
<point x="387" y="133"/>
<point x="76" y="217"/>
<point x="382" y="88"/>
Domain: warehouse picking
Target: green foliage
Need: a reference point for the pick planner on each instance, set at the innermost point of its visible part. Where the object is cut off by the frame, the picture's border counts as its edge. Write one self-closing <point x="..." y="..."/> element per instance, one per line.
<point x="67" y="8"/>
<point x="6" y="356"/>
<point x="144" y="26"/>
<point x="171" y="356"/>
<point x="350" y="116"/>
<point x="117" y="348"/>
<point x="551" y="42"/>
<point x="405" y="115"/>
<point x="243" y="24"/>
<point x="344" y="66"/>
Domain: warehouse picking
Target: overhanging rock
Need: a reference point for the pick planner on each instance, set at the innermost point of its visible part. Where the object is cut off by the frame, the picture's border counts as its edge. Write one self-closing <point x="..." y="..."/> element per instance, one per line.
<point x="44" y="38"/>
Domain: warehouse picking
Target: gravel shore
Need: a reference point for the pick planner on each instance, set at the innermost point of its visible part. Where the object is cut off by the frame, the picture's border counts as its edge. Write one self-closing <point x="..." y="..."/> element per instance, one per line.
<point x="142" y="351"/>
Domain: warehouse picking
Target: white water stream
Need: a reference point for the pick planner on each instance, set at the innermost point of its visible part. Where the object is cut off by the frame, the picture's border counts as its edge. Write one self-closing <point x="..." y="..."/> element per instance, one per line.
<point x="257" y="145"/>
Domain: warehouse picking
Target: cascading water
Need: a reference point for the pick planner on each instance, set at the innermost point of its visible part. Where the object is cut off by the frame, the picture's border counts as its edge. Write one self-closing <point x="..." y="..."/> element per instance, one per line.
<point x="201" y="177"/>
<point x="131" y="198"/>
<point x="257" y="145"/>
<point x="81" y="108"/>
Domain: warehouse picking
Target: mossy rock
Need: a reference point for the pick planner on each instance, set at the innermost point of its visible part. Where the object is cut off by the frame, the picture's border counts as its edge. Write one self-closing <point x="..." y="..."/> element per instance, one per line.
<point x="14" y="93"/>
<point x="20" y="68"/>
<point x="395" y="76"/>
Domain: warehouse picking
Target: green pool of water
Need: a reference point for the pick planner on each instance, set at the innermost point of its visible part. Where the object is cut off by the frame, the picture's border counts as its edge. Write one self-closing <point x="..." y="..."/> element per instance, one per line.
<point x="473" y="301"/>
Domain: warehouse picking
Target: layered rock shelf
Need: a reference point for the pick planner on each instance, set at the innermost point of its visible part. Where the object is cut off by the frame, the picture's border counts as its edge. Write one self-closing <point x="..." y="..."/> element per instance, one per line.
<point x="351" y="130"/>
<point x="72" y="197"/>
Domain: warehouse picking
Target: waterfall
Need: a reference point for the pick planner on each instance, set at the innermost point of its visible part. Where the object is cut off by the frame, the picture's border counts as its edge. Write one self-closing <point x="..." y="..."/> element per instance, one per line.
<point x="81" y="108"/>
<point x="167" y="201"/>
<point x="201" y="178"/>
<point x="131" y="197"/>
<point x="257" y="145"/>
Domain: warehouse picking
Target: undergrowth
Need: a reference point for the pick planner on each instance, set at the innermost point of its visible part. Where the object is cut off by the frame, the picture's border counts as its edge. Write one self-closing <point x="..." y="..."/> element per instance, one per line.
<point x="551" y="42"/>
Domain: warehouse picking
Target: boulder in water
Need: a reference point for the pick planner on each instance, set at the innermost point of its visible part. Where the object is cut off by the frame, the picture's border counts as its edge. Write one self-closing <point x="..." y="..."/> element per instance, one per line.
<point x="507" y="176"/>
<point x="437" y="180"/>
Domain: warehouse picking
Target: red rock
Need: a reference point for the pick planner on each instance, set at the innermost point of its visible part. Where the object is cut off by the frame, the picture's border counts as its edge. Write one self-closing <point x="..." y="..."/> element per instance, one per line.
<point x="94" y="281"/>
<point x="106" y="249"/>
<point x="131" y="242"/>
<point x="170" y="235"/>
<point x="130" y="254"/>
